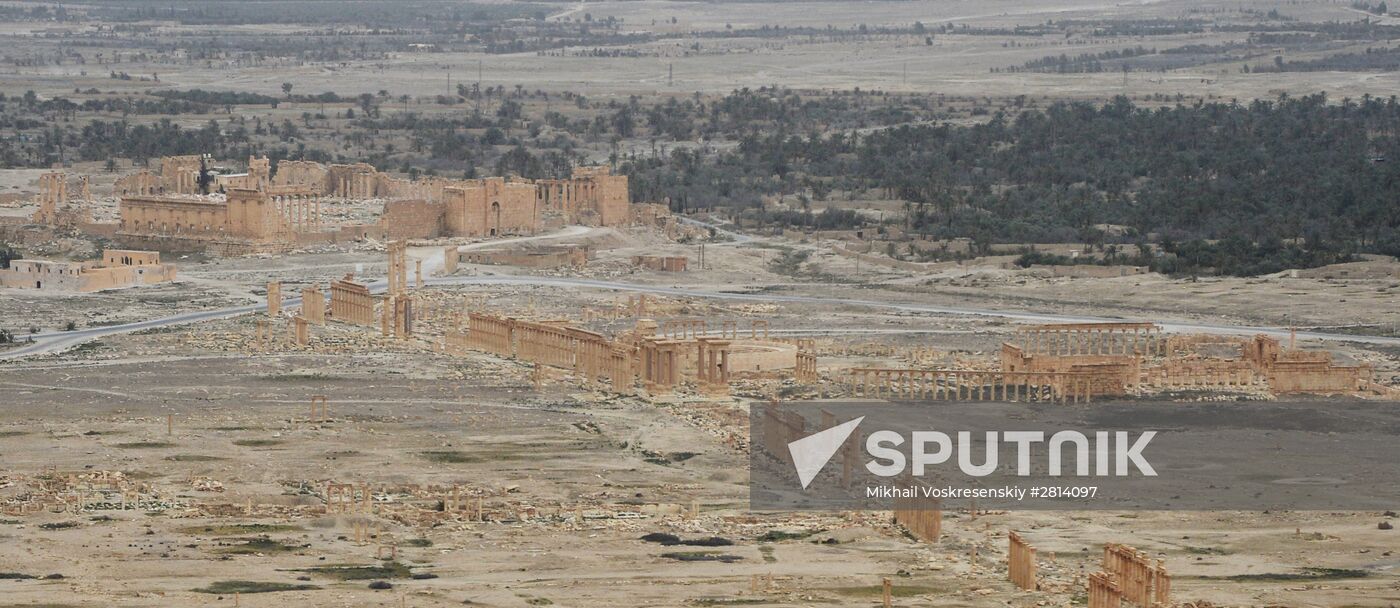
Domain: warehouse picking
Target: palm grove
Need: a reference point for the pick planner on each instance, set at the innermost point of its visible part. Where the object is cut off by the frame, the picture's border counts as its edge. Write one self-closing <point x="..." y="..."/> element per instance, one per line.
<point x="1229" y="188"/>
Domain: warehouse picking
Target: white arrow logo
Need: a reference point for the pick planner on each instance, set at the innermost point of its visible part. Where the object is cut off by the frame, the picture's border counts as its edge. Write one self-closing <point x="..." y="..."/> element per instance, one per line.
<point x="811" y="453"/>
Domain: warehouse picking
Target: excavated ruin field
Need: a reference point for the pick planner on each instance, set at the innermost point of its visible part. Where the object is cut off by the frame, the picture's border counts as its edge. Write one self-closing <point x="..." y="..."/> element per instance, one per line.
<point x="202" y="429"/>
<point x="243" y="423"/>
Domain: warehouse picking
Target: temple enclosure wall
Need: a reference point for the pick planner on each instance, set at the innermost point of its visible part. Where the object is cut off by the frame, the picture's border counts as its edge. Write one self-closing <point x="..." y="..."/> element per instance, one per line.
<point x="412" y="219"/>
<point x="1124" y="357"/>
<point x="491" y="207"/>
<point x="262" y="211"/>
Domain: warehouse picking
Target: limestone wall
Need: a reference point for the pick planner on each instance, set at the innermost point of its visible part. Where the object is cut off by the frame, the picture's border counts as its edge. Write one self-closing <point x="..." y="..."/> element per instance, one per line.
<point x="661" y="263"/>
<point x="193" y="218"/>
<point x="1316" y="377"/>
<point x="312" y="175"/>
<point x="120" y="268"/>
<point x="412" y="219"/>
<point x="491" y="207"/>
<point x="43" y="274"/>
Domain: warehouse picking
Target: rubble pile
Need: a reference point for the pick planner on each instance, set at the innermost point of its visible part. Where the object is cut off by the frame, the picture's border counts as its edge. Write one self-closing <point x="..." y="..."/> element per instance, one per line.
<point x="55" y="492"/>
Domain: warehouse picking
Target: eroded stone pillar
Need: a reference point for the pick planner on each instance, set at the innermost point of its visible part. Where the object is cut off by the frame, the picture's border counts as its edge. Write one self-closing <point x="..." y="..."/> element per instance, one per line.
<point x="274" y="298"/>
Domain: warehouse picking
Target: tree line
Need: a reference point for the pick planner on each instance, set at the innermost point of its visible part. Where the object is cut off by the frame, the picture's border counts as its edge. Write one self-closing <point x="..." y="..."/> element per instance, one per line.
<point x="1300" y="180"/>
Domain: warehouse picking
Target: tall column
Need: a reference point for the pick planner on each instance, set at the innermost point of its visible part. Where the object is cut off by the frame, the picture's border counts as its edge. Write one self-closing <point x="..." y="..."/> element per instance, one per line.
<point x="274" y="298"/>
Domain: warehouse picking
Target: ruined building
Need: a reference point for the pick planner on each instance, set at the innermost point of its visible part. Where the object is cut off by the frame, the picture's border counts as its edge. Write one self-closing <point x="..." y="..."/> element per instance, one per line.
<point x="260" y="212"/>
<point x="242" y="222"/>
<point x="592" y="196"/>
<point x="119" y="268"/>
<point x="1118" y="358"/>
<point x="1070" y="362"/>
<point x="56" y="206"/>
<point x="473" y="207"/>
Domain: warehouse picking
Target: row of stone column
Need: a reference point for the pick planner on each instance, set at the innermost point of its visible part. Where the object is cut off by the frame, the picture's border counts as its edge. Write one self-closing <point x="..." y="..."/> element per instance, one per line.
<point x="297" y="330"/>
<point x="556" y="194"/>
<point x="970" y="385"/>
<point x="922" y="517"/>
<point x="679" y="329"/>
<point x="356" y="185"/>
<point x="660" y="365"/>
<point x="398" y="267"/>
<point x="396" y="316"/>
<point x="806" y="369"/>
<point x="544" y="344"/>
<point x="301" y="213"/>
<point x="53" y="188"/>
<point x="351" y="302"/>
<point x="1020" y="562"/>
<point x="342" y="498"/>
<point x="184" y="182"/>
<point x="1104" y="591"/>
<point x="141" y="183"/>
<point x="313" y="305"/>
<point x="592" y="355"/>
<point x="780" y="428"/>
<point x="491" y="334"/>
<point x="1140" y="579"/>
<point x="1093" y="341"/>
<point x="1176" y="375"/>
<point x="712" y="365"/>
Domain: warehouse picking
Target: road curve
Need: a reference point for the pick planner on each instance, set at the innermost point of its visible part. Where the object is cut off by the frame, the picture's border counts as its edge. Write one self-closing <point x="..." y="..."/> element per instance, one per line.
<point x="57" y="341"/>
<point x="735" y="238"/>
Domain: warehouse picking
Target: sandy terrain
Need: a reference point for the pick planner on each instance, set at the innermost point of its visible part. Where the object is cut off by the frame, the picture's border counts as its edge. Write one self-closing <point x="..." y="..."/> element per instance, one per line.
<point x="956" y="64"/>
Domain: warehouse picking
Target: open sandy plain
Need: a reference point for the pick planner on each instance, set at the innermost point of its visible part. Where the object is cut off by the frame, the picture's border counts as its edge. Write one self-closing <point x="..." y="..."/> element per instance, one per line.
<point x="954" y="64"/>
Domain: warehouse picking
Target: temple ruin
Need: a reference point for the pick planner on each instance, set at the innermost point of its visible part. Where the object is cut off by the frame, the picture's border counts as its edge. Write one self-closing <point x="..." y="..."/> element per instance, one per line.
<point x="186" y="206"/>
<point x="1077" y="362"/>
<point x="57" y="207"/>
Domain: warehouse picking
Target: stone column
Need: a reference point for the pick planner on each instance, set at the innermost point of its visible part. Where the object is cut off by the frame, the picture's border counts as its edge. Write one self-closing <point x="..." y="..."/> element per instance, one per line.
<point x="274" y="298"/>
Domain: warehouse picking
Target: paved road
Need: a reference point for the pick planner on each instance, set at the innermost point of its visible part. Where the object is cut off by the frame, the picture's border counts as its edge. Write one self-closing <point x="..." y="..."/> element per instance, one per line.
<point x="56" y="341"/>
<point x="736" y="238"/>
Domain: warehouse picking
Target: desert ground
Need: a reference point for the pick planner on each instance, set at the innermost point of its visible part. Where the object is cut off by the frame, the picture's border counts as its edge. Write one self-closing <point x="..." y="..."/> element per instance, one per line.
<point x="954" y="64"/>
